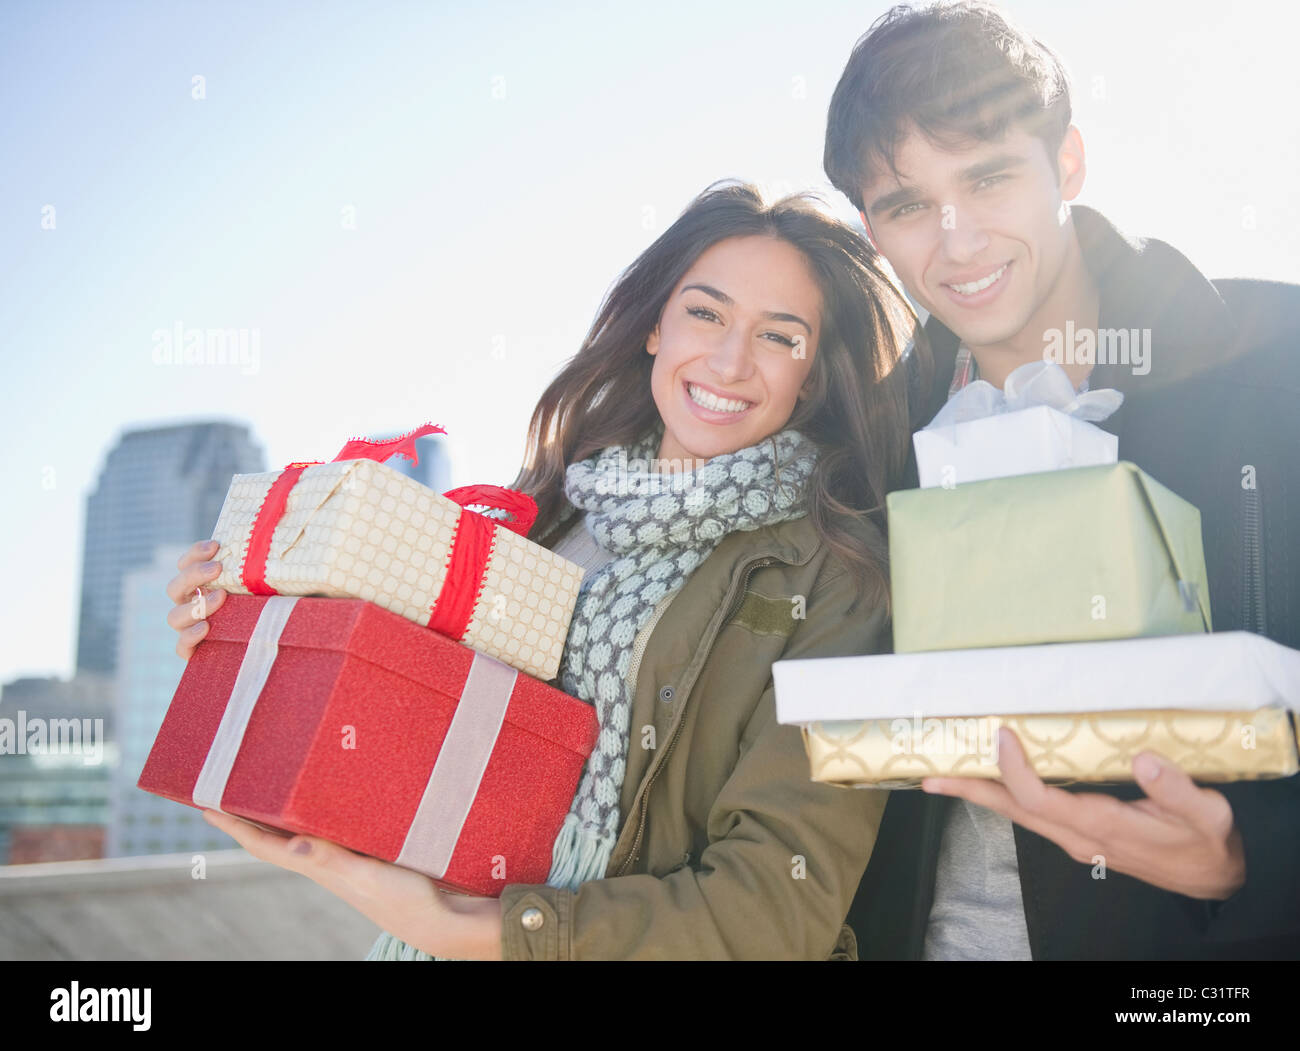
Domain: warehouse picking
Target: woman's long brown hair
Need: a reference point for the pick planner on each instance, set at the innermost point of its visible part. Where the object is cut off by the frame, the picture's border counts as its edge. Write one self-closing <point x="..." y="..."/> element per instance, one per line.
<point x="856" y="411"/>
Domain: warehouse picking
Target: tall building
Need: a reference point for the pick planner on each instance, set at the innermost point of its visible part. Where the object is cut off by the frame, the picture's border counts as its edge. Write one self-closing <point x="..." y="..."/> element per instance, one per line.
<point x="160" y="485"/>
<point x="148" y="671"/>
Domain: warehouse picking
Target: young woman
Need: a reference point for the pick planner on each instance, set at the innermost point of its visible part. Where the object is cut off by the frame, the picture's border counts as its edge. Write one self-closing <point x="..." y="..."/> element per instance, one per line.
<point x="716" y="457"/>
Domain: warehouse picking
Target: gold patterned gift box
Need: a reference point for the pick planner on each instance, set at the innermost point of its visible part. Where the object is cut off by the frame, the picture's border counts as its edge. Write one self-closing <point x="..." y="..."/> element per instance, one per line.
<point x="1220" y="706"/>
<point x="1099" y="746"/>
<point x="356" y="528"/>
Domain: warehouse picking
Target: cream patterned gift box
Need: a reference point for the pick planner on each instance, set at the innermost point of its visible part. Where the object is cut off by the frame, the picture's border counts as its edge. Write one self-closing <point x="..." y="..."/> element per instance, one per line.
<point x="359" y="529"/>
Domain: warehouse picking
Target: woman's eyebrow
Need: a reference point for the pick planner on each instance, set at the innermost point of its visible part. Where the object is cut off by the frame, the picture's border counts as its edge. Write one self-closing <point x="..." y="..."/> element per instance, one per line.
<point x="726" y="300"/>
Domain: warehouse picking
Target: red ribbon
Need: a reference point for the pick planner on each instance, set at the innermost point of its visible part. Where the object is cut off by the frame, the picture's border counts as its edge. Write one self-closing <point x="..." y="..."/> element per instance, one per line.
<point x="253" y="574"/>
<point x="471" y="550"/>
<point x="471" y="545"/>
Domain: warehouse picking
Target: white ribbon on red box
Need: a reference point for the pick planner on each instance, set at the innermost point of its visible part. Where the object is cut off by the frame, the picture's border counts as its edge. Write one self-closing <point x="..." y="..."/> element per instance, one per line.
<point x="457" y="772"/>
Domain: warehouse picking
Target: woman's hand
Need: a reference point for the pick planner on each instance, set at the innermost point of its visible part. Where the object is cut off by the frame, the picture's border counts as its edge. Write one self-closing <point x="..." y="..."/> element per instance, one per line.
<point x="401" y="901"/>
<point x="193" y="601"/>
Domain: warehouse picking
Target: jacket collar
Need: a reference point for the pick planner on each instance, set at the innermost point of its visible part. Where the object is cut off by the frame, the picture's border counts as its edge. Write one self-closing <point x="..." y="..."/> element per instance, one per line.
<point x="793" y="541"/>
<point x="1144" y="284"/>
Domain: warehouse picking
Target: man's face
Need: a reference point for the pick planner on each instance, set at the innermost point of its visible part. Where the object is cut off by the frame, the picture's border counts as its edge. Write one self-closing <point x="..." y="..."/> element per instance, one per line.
<point x="976" y="235"/>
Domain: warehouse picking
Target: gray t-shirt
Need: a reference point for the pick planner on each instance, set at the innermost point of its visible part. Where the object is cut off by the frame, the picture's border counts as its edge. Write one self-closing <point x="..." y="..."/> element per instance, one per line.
<point x="578" y="545"/>
<point x="978" y="912"/>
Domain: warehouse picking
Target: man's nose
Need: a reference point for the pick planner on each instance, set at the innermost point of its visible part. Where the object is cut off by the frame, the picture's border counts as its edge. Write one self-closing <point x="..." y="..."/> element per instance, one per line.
<point x="963" y="236"/>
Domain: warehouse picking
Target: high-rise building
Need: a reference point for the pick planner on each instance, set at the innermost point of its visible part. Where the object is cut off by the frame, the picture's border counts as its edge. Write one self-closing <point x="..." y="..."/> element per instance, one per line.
<point x="160" y="485"/>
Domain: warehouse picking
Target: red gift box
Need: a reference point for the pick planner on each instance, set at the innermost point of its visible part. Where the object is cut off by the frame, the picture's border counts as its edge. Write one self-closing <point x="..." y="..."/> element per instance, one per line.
<point x="329" y="716"/>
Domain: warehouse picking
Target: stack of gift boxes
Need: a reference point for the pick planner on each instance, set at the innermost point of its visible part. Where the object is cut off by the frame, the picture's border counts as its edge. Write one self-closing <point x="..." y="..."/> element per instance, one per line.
<point x="1041" y="585"/>
<point x="377" y="675"/>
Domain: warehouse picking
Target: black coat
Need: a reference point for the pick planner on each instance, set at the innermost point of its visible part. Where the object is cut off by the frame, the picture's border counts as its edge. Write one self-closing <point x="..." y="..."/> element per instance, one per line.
<point x="1222" y="397"/>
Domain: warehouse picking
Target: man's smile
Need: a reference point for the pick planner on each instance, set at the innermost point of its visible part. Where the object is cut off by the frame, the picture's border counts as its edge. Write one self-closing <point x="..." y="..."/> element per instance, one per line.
<point x="976" y="289"/>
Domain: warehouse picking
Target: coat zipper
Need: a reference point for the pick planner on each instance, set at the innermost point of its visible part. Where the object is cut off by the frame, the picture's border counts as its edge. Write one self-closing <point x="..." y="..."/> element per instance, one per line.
<point x="1253" y="606"/>
<point x="737" y="595"/>
<point x="643" y="640"/>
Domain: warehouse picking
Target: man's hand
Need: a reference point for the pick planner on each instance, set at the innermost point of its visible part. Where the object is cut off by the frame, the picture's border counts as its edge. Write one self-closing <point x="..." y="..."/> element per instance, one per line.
<point x="1180" y="838"/>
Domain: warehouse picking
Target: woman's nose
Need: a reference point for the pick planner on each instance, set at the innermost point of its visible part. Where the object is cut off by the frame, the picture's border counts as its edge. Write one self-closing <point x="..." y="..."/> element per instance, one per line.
<point x="730" y="360"/>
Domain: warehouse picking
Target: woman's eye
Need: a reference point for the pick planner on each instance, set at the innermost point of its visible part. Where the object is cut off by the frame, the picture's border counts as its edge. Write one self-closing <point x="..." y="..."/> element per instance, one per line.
<point x="780" y="337"/>
<point x="702" y="312"/>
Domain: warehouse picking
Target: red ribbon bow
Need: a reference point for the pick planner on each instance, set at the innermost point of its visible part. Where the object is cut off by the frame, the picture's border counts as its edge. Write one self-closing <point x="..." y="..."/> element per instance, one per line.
<point x="471" y="545"/>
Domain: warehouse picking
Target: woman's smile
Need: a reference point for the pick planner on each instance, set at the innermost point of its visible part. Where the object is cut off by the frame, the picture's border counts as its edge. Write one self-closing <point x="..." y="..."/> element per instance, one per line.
<point x="709" y="406"/>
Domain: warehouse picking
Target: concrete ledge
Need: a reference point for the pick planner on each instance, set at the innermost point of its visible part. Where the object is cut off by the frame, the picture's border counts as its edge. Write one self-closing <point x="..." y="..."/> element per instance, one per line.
<point x="54" y="877"/>
<point x="152" y="908"/>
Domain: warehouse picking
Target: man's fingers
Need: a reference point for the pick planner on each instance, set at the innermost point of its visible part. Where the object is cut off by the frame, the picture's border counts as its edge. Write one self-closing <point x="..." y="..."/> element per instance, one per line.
<point x="1083" y="816"/>
<point x="996" y="797"/>
<point x="1169" y="787"/>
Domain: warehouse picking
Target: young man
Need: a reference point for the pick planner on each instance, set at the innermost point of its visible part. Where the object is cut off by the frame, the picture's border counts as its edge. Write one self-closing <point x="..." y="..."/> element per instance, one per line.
<point x="950" y="132"/>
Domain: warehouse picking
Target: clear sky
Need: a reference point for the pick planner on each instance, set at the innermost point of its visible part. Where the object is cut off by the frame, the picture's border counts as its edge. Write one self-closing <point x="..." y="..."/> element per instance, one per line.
<point x="417" y="207"/>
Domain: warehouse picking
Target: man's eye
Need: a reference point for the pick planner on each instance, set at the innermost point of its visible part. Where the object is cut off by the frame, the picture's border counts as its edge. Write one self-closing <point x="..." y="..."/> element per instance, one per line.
<point x="898" y="213"/>
<point x="702" y="312"/>
<point x="989" y="180"/>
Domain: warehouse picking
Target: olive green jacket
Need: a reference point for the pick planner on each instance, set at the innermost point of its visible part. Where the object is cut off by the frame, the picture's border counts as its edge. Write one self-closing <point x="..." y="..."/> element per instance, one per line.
<point x="727" y="848"/>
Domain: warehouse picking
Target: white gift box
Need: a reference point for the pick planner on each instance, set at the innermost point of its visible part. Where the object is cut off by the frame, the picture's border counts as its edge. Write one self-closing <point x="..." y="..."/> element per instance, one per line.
<point x="1216" y="704"/>
<point x="1026" y="441"/>
<point x="1223" y="670"/>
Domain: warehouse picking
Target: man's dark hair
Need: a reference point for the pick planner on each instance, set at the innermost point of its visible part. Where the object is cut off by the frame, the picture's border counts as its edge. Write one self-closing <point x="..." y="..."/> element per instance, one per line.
<point x="957" y="72"/>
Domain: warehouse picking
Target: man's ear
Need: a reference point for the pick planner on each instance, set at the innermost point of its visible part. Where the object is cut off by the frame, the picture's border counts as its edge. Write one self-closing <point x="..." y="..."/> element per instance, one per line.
<point x="1071" y="164"/>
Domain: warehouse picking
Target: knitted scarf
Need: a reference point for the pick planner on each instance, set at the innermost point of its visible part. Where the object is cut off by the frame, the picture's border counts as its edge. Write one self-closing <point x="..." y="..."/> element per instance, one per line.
<point x="660" y="527"/>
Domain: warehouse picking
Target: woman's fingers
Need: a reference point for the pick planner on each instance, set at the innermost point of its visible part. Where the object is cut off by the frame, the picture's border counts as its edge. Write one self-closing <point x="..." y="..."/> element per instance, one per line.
<point x="190" y="638"/>
<point x="192" y="574"/>
<point x="195" y="608"/>
<point x="199" y="551"/>
<point x="193" y="601"/>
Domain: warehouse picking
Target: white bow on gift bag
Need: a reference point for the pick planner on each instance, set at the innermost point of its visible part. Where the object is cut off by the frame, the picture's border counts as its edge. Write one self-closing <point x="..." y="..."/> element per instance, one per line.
<point x="1037" y="422"/>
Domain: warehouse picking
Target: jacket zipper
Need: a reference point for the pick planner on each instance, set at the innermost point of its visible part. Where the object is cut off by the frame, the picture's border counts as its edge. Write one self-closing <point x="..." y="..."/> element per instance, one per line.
<point x="737" y="595"/>
<point x="1253" y="606"/>
<point x="643" y="640"/>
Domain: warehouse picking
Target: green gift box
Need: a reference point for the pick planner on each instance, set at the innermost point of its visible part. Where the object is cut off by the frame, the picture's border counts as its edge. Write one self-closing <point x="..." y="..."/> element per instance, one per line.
<point x="1075" y="555"/>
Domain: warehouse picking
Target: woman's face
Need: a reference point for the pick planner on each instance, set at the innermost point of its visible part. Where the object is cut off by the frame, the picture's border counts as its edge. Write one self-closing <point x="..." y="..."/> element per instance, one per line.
<point x="734" y="345"/>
